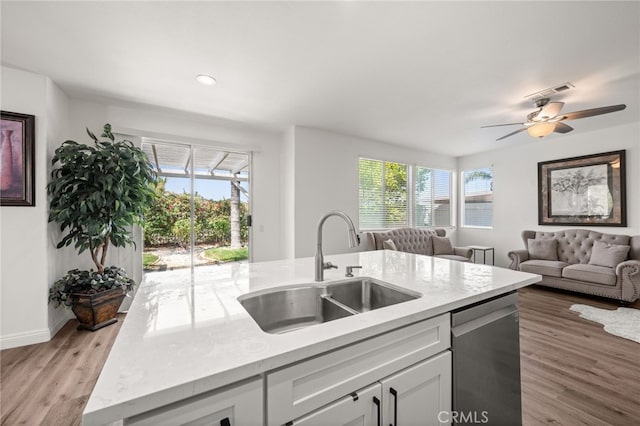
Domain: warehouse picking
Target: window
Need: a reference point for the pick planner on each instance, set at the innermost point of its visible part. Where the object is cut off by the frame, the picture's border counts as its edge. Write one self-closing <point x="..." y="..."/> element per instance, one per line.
<point x="394" y="195"/>
<point x="383" y="194"/>
<point x="478" y="197"/>
<point x="433" y="197"/>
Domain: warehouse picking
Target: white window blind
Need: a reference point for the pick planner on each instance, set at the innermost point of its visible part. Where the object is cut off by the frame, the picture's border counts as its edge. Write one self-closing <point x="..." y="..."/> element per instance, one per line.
<point x="383" y="194"/>
<point x="433" y="197"/>
<point x="478" y="197"/>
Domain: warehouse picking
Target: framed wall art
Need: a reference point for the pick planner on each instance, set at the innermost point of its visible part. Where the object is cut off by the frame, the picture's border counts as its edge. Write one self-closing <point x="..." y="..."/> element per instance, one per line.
<point x="17" y="172"/>
<point x="585" y="191"/>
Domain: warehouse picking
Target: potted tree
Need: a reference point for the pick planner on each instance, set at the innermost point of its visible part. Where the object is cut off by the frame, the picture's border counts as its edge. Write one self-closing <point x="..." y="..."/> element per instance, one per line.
<point x="97" y="193"/>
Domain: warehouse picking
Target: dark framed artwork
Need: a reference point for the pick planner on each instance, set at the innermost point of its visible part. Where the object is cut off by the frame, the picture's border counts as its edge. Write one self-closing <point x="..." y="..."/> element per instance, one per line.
<point x="17" y="172"/>
<point x="585" y="191"/>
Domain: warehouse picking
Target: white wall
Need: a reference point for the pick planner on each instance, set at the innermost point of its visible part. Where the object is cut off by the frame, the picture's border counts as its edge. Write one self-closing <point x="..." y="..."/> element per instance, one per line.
<point x="57" y="130"/>
<point x="25" y="268"/>
<point x="516" y="184"/>
<point x="326" y="178"/>
<point x="175" y="126"/>
<point x="29" y="261"/>
<point x="288" y="185"/>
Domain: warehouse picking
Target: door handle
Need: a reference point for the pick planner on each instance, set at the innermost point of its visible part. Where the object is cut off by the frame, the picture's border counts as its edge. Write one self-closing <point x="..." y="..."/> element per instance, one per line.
<point x="377" y="402"/>
<point x="393" y="392"/>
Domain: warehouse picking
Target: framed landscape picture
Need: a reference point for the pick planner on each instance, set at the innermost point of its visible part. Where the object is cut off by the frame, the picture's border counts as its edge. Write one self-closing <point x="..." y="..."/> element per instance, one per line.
<point x="17" y="172"/>
<point x="585" y="191"/>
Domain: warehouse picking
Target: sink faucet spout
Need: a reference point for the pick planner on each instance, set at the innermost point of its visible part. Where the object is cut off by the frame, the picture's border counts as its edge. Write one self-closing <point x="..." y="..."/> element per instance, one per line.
<point x="354" y="240"/>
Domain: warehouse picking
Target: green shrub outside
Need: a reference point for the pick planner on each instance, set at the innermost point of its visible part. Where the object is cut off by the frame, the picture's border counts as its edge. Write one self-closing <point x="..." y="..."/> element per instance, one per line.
<point x="168" y="220"/>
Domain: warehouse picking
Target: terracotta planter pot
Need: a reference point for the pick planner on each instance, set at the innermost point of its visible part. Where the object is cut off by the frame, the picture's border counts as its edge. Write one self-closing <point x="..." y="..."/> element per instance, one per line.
<point x="95" y="311"/>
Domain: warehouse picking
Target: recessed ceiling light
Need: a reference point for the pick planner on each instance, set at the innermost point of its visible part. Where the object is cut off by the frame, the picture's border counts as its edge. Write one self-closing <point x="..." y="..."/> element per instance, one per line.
<point x="205" y="79"/>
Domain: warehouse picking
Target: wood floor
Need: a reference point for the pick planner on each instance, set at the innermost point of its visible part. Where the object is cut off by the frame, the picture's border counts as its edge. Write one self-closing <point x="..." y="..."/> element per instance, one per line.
<point x="573" y="373"/>
<point x="50" y="383"/>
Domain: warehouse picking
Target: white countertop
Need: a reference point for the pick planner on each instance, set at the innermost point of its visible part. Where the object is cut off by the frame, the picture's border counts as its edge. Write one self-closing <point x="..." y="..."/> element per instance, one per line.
<point x="183" y="337"/>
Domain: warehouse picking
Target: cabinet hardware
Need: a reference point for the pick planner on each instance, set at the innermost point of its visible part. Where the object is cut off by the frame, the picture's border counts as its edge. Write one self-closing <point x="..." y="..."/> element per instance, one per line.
<point x="377" y="402"/>
<point x="393" y="392"/>
<point x="225" y="422"/>
<point x="354" y="395"/>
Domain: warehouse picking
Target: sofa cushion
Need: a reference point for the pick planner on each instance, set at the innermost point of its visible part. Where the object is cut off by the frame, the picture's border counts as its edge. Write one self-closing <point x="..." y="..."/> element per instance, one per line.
<point x="552" y="268"/>
<point x="441" y="245"/>
<point x="389" y="245"/>
<point x="575" y="245"/>
<point x="590" y="273"/>
<point x="543" y="249"/>
<point x="454" y="257"/>
<point x="605" y="254"/>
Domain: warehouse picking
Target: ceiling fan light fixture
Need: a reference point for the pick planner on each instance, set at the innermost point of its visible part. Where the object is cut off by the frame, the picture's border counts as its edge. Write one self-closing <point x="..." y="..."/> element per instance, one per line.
<point x="541" y="130"/>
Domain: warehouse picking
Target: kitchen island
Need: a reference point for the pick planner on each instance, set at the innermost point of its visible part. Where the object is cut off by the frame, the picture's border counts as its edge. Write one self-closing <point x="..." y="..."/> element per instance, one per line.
<point x="187" y="338"/>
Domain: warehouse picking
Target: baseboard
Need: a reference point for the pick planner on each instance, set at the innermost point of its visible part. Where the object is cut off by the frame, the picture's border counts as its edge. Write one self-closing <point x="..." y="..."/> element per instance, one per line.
<point x="23" y="339"/>
<point x="32" y="337"/>
<point x="58" y="326"/>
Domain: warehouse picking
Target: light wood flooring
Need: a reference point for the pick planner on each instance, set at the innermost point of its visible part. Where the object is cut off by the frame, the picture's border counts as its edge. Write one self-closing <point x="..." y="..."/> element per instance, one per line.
<point x="573" y="373"/>
<point x="50" y="383"/>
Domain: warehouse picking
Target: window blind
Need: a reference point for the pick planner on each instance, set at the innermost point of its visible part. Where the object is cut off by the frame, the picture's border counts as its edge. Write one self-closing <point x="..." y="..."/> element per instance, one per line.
<point x="432" y="197"/>
<point x="478" y="197"/>
<point x="383" y="194"/>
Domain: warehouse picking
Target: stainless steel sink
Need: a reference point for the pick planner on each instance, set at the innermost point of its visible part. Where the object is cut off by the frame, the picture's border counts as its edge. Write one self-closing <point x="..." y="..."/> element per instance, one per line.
<point x="286" y="309"/>
<point x="365" y="294"/>
<point x="283" y="310"/>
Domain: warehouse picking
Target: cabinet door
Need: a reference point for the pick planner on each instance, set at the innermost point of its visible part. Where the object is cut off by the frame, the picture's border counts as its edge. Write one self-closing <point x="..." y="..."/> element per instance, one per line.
<point x="361" y="409"/>
<point x="240" y="405"/>
<point x="419" y="394"/>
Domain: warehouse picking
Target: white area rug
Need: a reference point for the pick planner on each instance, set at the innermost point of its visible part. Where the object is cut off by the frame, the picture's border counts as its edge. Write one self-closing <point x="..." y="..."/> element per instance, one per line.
<point x="623" y="322"/>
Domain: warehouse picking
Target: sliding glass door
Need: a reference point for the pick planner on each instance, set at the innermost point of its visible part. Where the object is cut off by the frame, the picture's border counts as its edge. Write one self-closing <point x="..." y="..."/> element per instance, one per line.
<point x="202" y="214"/>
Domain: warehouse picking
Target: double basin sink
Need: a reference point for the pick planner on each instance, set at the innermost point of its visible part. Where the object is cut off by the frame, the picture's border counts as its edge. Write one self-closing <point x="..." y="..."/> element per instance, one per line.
<point x="285" y="309"/>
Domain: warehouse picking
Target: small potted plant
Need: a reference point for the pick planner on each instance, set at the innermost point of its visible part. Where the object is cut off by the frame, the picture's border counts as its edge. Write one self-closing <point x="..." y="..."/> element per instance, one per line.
<point x="97" y="193"/>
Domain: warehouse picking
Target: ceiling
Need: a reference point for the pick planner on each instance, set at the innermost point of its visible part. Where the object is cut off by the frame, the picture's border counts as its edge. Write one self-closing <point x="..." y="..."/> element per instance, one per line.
<point x="421" y="74"/>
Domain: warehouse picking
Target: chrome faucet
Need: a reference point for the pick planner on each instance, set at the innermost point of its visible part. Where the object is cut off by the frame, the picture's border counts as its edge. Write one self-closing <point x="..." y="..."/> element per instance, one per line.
<point x="354" y="240"/>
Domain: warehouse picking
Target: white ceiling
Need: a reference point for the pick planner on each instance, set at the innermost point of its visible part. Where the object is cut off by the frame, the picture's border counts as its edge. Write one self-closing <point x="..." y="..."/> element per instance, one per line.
<point x="420" y="74"/>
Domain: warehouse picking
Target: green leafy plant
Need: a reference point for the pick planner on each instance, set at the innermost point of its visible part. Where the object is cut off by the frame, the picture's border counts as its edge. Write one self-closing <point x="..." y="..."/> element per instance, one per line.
<point x="88" y="282"/>
<point x="97" y="193"/>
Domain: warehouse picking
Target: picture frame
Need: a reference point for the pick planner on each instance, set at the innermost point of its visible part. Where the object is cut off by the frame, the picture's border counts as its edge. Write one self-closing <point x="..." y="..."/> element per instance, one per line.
<point x="587" y="191"/>
<point x="17" y="170"/>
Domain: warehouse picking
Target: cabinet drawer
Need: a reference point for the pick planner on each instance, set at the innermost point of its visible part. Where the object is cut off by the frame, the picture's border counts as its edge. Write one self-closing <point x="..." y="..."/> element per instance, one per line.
<point x="308" y="385"/>
<point x="236" y="405"/>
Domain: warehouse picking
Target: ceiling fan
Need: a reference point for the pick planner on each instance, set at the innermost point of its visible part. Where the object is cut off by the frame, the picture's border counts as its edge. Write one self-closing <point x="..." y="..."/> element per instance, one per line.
<point x="547" y="118"/>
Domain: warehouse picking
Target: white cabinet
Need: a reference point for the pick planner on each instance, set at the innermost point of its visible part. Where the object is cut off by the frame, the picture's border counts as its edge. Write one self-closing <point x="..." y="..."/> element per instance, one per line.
<point x="299" y="389"/>
<point x="418" y="394"/>
<point x="414" y="396"/>
<point x="239" y="405"/>
<point x="361" y="408"/>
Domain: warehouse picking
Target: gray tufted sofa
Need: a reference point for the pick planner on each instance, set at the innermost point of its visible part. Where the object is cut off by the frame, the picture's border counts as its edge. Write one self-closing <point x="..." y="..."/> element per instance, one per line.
<point x="418" y="241"/>
<point x="576" y="269"/>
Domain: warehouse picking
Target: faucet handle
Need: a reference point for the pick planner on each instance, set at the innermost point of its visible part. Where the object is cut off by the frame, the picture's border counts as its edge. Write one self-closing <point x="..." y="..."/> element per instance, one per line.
<point x="349" y="271"/>
<point x="329" y="265"/>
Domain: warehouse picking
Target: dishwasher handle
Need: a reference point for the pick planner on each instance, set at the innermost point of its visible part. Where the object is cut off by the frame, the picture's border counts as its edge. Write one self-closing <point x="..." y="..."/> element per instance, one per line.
<point x="476" y="323"/>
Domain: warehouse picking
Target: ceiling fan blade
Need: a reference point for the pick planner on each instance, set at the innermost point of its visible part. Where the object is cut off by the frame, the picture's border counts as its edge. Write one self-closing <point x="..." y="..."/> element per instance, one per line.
<point x="548" y="111"/>
<point x="591" y="112"/>
<point x="499" y="125"/>
<point x="512" y="133"/>
<point x="562" y="128"/>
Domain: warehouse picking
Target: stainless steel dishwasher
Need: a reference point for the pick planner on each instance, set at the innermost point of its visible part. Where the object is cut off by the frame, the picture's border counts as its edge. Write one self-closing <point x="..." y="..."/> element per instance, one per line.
<point x="486" y="363"/>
